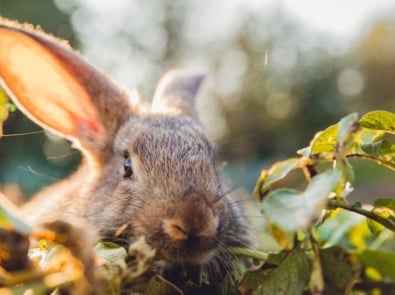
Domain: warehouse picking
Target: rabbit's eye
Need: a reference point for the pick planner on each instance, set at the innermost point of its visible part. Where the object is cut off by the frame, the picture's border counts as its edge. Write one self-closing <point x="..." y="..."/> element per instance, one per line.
<point x="127" y="165"/>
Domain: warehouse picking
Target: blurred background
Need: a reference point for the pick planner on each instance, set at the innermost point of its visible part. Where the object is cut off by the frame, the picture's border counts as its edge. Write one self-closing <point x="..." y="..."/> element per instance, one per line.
<point x="277" y="72"/>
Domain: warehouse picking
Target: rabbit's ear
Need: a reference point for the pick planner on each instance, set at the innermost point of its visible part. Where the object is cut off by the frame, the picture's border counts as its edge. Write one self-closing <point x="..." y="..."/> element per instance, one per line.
<point x="54" y="86"/>
<point x="176" y="93"/>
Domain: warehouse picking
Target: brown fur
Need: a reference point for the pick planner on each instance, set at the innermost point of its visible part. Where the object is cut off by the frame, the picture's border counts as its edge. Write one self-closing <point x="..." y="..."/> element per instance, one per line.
<point x="175" y="198"/>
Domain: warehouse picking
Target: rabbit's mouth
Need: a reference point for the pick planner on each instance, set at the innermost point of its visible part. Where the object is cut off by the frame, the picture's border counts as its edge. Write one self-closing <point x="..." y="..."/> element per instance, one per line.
<point x="186" y="242"/>
<point x="192" y="268"/>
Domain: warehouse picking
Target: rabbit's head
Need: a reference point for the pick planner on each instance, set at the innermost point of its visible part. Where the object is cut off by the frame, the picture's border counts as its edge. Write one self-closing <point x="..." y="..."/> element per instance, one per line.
<point x="150" y="170"/>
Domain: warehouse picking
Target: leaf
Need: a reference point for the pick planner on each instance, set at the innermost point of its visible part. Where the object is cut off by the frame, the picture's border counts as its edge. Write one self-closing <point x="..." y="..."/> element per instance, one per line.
<point x="111" y="253"/>
<point x="3" y="109"/>
<point x="336" y="138"/>
<point x="340" y="268"/>
<point x="324" y="141"/>
<point x="379" y="120"/>
<point x="28" y="287"/>
<point x="359" y="236"/>
<point x="380" y="148"/>
<point x="276" y="172"/>
<point x="283" y="238"/>
<point x="252" y="280"/>
<point x="368" y="136"/>
<point x="385" y="202"/>
<point x="381" y="262"/>
<point x="121" y="268"/>
<point x="290" y="277"/>
<point x="277" y="258"/>
<point x="159" y="286"/>
<point x="143" y="255"/>
<point x="374" y="227"/>
<point x="304" y="152"/>
<point x="336" y="227"/>
<point x="292" y="210"/>
<point x="286" y="208"/>
<point x="348" y="172"/>
<point x="347" y="128"/>
<point x="10" y="107"/>
<point x="385" y="209"/>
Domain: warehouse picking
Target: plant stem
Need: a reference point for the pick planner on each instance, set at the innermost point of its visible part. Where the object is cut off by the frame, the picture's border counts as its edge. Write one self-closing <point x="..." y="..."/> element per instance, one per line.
<point x="249" y="253"/>
<point x="388" y="164"/>
<point x="317" y="284"/>
<point x="333" y="204"/>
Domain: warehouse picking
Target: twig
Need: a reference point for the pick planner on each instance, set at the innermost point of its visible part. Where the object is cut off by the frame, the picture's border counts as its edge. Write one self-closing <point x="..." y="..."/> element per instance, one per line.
<point x="333" y="204"/>
<point x="388" y="164"/>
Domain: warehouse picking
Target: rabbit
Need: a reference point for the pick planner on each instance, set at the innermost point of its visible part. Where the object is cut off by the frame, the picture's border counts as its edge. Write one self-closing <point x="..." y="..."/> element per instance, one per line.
<point x="148" y="169"/>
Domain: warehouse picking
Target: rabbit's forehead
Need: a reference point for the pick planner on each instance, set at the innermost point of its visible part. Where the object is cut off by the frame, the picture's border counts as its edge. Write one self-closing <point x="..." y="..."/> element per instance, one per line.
<point x="158" y="136"/>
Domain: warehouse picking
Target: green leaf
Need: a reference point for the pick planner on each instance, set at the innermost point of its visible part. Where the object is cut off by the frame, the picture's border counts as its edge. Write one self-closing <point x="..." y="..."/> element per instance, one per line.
<point x="336" y="138"/>
<point x="341" y="269"/>
<point x="292" y="210"/>
<point x="348" y="171"/>
<point x="283" y="238"/>
<point x="380" y="148"/>
<point x="385" y="202"/>
<point x="305" y="152"/>
<point x="290" y="277"/>
<point x="112" y="261"/>
<point x="337" y="226"/>
<point x="379" y="120"/>
<point x="385" y="209"/>
<point x="252" y="280"/>
<point x="34" y="287"/>
<point x="325" y="141"/>
<point x="381" y="262"/>
<point x="385" y="213"/>
<point x="348" y="126"/>
<point x="374" y="227"/>
<point x="159" y="286"/>
<point x="3" y="109"/>
<point x="368" y="136"/>
<point x="143" y="255"/>
<point x="276" y="172"/>
<point x="111" y="253"/>
<point x="10" y="107"/>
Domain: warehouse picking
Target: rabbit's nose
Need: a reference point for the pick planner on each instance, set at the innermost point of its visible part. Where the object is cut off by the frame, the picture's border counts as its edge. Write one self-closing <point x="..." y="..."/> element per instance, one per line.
<point x="180" y="231"/>
<point x="196" y="221"/>
<point x="176" y="229"/>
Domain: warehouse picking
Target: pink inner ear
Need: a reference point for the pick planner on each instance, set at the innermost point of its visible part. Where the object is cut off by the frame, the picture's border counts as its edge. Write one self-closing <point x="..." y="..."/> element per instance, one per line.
<point x="42" y="87"/>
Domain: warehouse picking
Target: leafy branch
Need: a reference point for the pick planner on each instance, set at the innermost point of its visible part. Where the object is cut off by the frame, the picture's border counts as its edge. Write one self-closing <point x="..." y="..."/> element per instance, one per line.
<point x="335" y="269"/>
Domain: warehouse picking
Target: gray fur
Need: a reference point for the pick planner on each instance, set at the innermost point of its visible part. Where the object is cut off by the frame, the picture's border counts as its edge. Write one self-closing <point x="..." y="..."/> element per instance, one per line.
<point x="175" y="198"/>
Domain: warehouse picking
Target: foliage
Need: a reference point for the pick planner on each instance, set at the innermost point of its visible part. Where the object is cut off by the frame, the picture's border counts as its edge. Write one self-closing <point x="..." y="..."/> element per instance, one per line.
<point x="348" y="245"/>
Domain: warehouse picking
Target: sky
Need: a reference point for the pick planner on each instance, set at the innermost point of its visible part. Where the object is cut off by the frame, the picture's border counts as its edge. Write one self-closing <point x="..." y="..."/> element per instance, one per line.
<point x="337" y="17"/>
